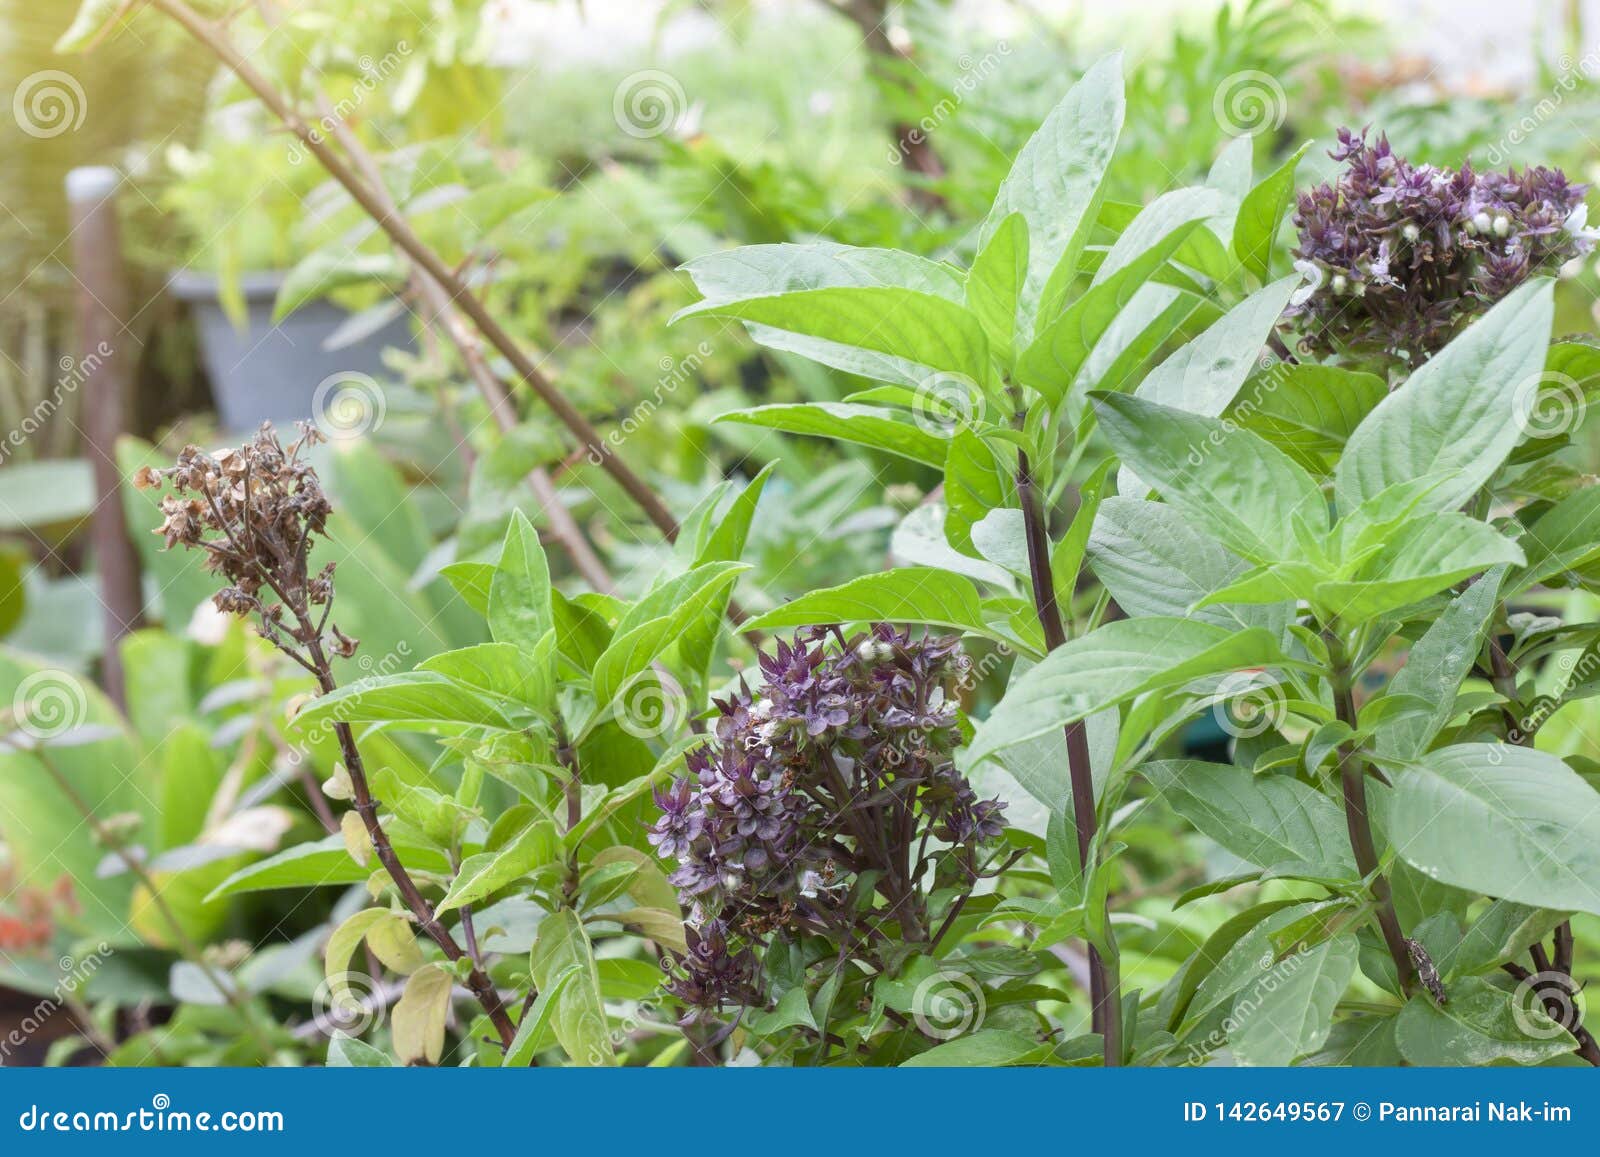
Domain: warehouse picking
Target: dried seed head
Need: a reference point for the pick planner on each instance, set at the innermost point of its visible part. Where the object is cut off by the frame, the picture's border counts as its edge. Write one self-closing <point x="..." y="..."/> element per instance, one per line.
<point x="256" y="510"/>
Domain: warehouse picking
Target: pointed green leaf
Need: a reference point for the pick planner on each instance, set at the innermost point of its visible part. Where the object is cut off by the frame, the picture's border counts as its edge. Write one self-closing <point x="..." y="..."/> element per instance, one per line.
<point x="579" y="1018"/>
<point x="635" y="646"/>
<point x="1261" y="212"/>
<point x="1051" y="362"/>
<point x="908" y="595"/>
<point x="726" y="542"/>
<point x="1436" y="667"/>
<point x="1456" y="414"/>
<point x="498" y="669"/>
<point x="1204" y="375"/>
<point x="1422" y="557"/>
<point x="422" y="697"/>
<point x="977" y="480"/>
<point x="848" y="422"/>
<point x="1155" y="562"/>
<point x="1246" y="492"/>
<point x="519" y="593"/>
<point x="769" y="270"/>
<point x="995" y="283"/>
<point x="1307" y="410"/>
<point x="922" y="335"/>
<point x="1275" y="1024"/>
<point x="1111" y="665"/>
<point x="487" y="872"/>
<point x="1056" y="182"/>
<point x="1565" y="536"/>
<point x="1479" y="1025"/>
<point x="314" y="865"/>
<point x="1273" y="821"/>
<point x="1508" y="821"/>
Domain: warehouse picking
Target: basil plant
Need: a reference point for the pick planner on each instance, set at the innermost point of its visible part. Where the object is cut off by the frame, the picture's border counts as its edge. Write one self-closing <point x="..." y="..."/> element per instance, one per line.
<point x="1161" y="510"/>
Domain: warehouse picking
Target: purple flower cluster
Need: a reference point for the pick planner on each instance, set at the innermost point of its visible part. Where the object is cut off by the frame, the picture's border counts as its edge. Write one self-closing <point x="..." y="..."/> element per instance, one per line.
<point x="1401" y="256"/>
<point x="838" y="770"/>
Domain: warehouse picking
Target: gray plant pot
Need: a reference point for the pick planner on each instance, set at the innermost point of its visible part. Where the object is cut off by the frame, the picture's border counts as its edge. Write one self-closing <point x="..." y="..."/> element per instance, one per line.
<point x="268" y="372"/>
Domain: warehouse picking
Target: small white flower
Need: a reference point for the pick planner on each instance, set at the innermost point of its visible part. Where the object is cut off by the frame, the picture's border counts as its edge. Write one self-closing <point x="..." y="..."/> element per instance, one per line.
<point x="1502" y="226"/>
<point x="1480" y="223"/>
<point x="1410" y="232"/>
<point x="1311" y="280"/>
<point x="1339" y="283"/>
<point x="1577" y="224"/>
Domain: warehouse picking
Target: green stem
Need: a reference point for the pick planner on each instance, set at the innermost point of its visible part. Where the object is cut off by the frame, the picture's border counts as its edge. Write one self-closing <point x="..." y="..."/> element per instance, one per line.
<point x="187" y="948"/>
<point x="1353" y="786"/>
<point x="1104" y="996"/>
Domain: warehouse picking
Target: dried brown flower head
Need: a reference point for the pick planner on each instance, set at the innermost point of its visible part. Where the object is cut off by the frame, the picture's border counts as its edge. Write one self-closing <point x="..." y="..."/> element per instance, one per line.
<point x="256" y="511"/>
